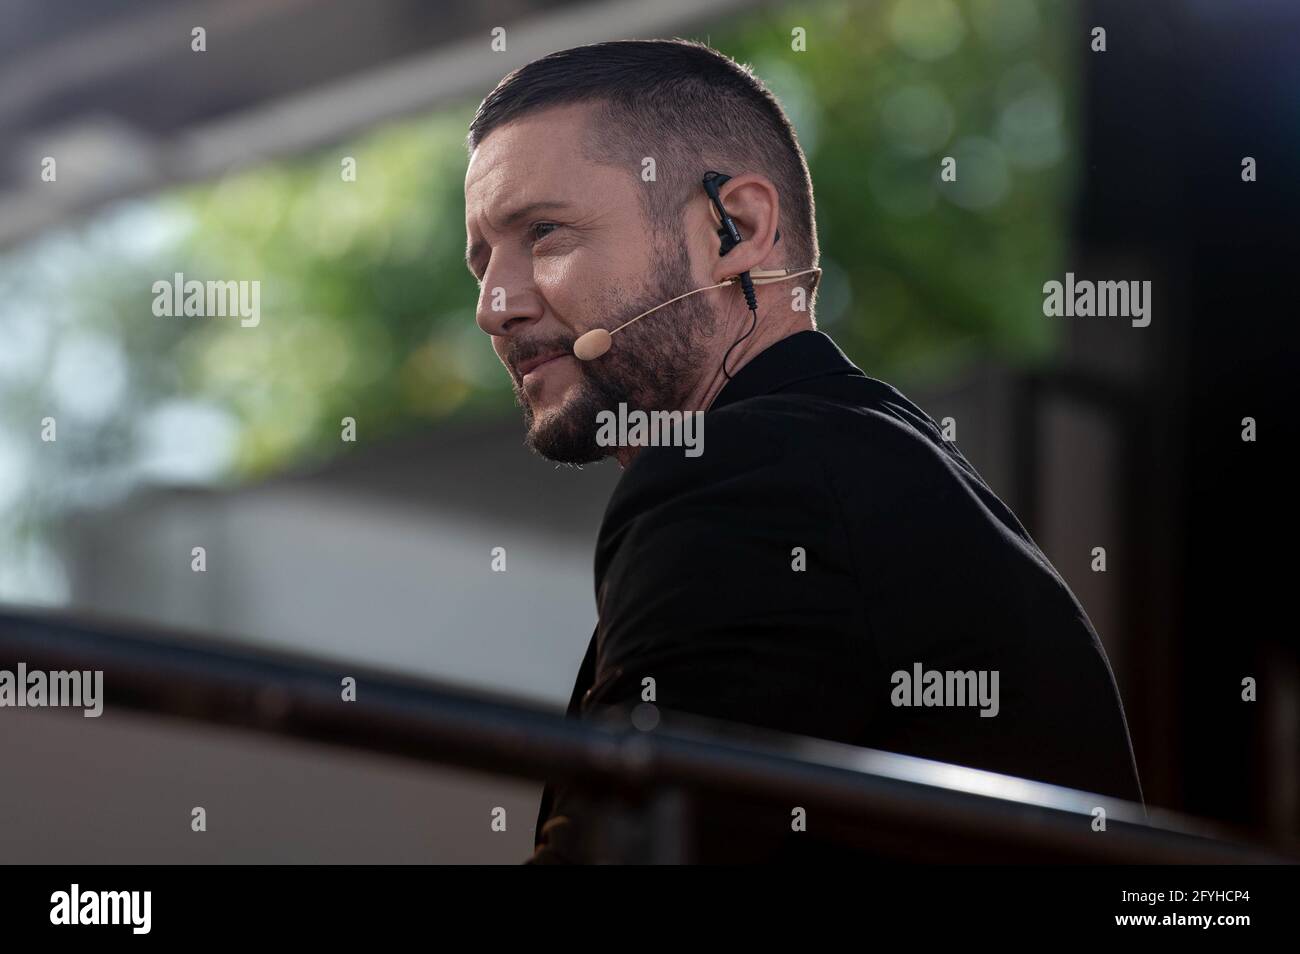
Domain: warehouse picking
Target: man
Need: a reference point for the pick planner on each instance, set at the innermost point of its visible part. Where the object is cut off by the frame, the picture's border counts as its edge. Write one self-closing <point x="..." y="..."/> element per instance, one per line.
<point x="828" y="548"/>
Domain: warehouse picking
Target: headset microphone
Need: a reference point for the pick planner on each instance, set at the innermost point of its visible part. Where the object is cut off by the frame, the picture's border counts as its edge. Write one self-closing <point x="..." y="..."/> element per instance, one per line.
<point x="596" y="342"/>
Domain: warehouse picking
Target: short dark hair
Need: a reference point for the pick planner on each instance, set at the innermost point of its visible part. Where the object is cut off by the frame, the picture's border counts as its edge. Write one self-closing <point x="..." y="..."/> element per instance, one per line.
<point x="682" y="102"/>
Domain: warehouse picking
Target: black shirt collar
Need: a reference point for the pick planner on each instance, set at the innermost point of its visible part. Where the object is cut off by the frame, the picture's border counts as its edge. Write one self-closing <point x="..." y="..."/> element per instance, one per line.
<point x="803" y="355"/>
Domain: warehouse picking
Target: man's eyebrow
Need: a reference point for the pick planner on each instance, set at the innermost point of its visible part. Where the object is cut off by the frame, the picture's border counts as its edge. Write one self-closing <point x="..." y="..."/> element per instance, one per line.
<point x="476" y="249"/>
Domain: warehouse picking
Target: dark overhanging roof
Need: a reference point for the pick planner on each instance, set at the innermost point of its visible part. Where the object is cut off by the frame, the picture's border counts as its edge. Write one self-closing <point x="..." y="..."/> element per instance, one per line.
<point x="115" y="93"/>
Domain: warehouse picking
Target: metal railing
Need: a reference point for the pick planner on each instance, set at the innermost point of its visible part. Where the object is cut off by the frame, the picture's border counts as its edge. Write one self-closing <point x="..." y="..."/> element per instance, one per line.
<point x="878" y="803"/>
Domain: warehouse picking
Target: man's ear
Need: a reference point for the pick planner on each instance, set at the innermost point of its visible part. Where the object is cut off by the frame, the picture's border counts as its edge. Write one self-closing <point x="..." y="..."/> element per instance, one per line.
<point x="755" y="206"/>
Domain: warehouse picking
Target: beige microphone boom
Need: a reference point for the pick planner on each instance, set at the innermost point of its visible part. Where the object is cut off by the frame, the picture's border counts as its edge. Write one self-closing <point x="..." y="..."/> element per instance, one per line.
<point x="597" y="341"/>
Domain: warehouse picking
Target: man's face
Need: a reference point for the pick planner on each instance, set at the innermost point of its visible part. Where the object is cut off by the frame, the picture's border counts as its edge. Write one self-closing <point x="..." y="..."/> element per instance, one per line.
<point x="560" y="246"/>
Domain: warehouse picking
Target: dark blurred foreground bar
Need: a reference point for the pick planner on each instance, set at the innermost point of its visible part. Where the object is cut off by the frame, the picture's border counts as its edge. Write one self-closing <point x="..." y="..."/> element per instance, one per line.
<point x="878" y="804"/>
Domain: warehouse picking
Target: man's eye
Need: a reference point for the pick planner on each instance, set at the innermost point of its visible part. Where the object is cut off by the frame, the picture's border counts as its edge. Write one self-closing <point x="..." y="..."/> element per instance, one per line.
<point x="536" y="230"/>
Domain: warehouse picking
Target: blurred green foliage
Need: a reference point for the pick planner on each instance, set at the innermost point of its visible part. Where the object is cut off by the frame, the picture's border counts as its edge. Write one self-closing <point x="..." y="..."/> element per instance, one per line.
<point x="368" y="310"/>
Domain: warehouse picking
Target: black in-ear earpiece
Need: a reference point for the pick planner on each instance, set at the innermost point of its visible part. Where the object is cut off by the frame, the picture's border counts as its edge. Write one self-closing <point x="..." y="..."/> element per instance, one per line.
<point x="727" y="231"/>
<point x="730" y="236"/>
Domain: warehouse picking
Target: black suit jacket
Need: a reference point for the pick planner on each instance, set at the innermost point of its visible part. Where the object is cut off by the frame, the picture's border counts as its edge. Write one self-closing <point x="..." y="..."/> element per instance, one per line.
<point x="910" y="558"/>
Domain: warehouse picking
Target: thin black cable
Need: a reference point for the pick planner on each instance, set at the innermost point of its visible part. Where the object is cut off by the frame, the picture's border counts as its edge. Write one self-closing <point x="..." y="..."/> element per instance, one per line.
<point x="752" y="325"/>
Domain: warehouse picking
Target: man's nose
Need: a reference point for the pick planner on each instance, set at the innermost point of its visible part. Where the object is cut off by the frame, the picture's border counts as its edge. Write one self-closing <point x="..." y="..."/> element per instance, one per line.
<point x="504" y="308"/>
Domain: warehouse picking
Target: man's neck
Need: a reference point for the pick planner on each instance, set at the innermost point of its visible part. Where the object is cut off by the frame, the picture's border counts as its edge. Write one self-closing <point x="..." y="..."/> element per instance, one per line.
<point x="713" y="380"/>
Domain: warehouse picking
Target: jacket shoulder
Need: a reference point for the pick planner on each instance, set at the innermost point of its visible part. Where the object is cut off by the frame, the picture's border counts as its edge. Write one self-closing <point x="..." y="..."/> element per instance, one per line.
<point x="804" y="435"/>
